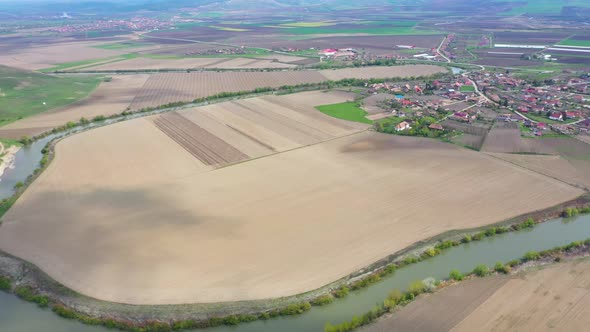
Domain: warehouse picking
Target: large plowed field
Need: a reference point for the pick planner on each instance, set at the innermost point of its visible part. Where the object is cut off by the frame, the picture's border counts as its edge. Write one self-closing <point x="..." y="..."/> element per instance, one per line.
<point x="165" y="88"/>
<point x="141" y="220"/>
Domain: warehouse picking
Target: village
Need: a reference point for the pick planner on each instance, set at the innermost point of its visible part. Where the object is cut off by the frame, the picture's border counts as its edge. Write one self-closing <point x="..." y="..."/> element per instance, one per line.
<point x="472" y="102"/>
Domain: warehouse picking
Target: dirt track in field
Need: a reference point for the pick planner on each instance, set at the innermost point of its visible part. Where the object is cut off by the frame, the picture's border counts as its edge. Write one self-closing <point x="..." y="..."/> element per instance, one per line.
<point x="109" y="98"/>
<point x="147" y="223"/>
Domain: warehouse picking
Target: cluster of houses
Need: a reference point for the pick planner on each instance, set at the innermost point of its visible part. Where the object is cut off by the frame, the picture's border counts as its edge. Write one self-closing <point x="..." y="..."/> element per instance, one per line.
<point x="557" y="101"/>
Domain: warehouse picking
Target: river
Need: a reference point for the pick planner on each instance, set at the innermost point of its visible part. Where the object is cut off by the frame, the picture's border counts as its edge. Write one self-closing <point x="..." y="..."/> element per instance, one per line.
<point x="19" y="316"/>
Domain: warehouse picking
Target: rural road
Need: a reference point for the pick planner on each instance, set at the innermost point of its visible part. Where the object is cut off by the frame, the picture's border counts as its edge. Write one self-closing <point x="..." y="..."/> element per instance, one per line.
<point x="440" y="53"/>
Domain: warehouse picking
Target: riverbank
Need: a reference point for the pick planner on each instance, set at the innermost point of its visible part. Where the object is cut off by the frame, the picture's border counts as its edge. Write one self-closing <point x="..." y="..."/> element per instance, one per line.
<point x="96" y="312"/>
<point x="7" y="156"/>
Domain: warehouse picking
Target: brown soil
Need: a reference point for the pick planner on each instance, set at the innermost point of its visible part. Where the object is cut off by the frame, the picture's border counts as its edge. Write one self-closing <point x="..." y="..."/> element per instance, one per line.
<point x="140" y="215"/>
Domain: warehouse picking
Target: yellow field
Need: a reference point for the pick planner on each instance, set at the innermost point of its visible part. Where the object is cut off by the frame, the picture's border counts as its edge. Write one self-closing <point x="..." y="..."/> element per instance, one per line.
<point x="126" y="213"/>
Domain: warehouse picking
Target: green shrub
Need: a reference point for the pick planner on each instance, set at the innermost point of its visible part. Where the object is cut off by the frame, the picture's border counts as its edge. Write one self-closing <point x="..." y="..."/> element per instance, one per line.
<point x="513" y="263"/>
<point x="571" y="212"/>
<point x="389" y="269"/>
<point x="64" y="312"/>
<point x="490" y="232"/>
<point x="19" y="185"/>
<point x="417" y="287"/>
<point x="502" y="229"/>
<point x="531" y="256"/>
<point x="323" y="300"/>
<point x="410" y="260"/>
<point x="466" y="239"/>
<point x="456" y="275"/>
<point x="231" y="320"/>
<point x="478" y="236"/>
<point x="585" y="210"/>
<point x="430" y="252"/>
<point x="364" y="282"/>
<point x="481" y="270"/>
<point x="295" y="309"/>
<point x="26" y="140"/>
<point x="501" y="268"/>
<point x="5" y="284"/>
<point x="529" y="223"/>
<point x="341" y="292"/>
<point x="444" y="245"/>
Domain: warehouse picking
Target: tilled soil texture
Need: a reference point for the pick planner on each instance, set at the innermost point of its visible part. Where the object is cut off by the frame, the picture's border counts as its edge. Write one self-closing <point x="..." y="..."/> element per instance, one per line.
<point x="157" y="226"/>
<point x="164" y="88"/>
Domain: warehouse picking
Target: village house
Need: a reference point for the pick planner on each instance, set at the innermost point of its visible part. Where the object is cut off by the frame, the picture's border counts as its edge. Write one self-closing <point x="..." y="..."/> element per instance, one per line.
<point x="556" y="116"/>
<point x="402" y="126"/>
<point x="461" y="116"/>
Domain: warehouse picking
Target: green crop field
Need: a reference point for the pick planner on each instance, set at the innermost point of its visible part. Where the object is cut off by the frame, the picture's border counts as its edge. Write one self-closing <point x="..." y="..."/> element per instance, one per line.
<point x="24" y="93"/>
<point x="347" y="111"/>
<point x="574" y="42"/>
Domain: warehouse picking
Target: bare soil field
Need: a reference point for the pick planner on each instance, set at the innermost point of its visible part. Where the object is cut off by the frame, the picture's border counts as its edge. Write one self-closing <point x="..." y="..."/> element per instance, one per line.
<point x="190" y="63"/>
<point x="147" y="223"/>
<point x="229" y="132"/>
<point x="553" y="166"/>
<point x="46" y="56"/>
<point x="371" y="103"/>
<point x="379" y="45"/>
<point x="382" y="72"/>
<point x="553" y="298"/>
<point x="165" y="88"/>
<point x="441" y="311"/>
<point x="529" y="38"/>
<point x="109" y="98"/>
<point x="505" y="138"/>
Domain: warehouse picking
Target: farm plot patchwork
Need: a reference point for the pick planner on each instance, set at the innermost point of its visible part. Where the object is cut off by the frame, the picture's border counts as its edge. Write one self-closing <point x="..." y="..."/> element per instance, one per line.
<point x="230" y="132"/>
<point x="140" y="203"/>
<point x="165" y="88"/>
<point x="109" y="98"/>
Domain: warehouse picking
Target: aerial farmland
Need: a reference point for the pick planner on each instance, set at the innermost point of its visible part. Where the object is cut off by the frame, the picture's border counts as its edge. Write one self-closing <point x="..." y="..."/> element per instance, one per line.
<point x="318" y="165"/>
<point x="329" y="174"/>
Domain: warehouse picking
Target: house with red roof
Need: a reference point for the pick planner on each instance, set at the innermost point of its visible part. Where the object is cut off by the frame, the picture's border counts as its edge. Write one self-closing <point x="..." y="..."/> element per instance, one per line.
<point x="556" y="116"/>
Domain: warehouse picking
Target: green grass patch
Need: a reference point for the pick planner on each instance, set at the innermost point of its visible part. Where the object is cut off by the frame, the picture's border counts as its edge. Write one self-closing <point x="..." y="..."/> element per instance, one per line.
<point x="467" y="88"/>
<point x="350" y="111"/>
<point x="574" y="42"/>
<point x="24" y="93"/>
